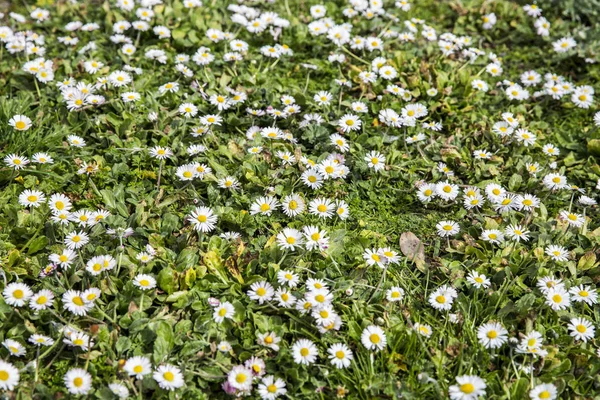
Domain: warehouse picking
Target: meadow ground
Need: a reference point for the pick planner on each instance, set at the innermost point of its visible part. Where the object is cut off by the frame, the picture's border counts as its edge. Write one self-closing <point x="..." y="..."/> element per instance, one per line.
<point x="299" y="199"/>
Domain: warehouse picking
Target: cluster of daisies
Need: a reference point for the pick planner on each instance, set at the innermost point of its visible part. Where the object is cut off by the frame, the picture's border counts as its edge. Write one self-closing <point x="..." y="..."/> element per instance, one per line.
<point x="368" y="93"/>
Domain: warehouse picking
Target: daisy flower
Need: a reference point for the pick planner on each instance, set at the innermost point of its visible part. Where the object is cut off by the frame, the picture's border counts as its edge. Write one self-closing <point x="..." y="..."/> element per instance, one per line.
<point x="203" y="219"/>
<point x="40" y="340"/>
<point x="144" y="282"/>
<point x="304" y="351"/>
<point x="284" y="298"/>
<point x="137" y="366"/>
<point x="557" y="253"/>
<point x="264" y="205"/>
<point x="423" y="329"/>
<point x="271" y="388"/>
<point x="42" y="158"/>
<point x="340" y="355"/>
<point x="16" y="294"/>
<point x="394" y="294"/>
<point x="119" y="390"/>
<point x="442" y="298"/>
<point x="447" y="190"/>
<point x="315" y="238"/>
<point x="517" y="233"/>
<point x="41" y="300"/>
<point x="558" y="298"/>
<point x="285" y="277"/>
<point x="76" y="240"/>
<point x="20" y="122"/>
<point x="223" y="311"/>
<point x="374" y="257"/>
<point x="349" y="122"/>
<point x="293" y="205"/>
<point x="268" y="339"/>
<point x="468" y="387"/>
<point x="375" y="160"/>
<point x="64" y="259"/>
<point x="312" y="178"/>
<point x="261" y="291"/>
<point x="342" y="209"/>
<point x="544" y="391"/>
<point x="426" y="192"/>
<point x="229" y="182"/>
<point x="78" y="381"/>
<point x="478" y="280"/>
<point x="31" y="198"/>
<point x="584" y="293"/>
<point x="321" y="207"/>
<point x="447" y="228"/>
<point x="581" y="329"/>
<point x="290" y="239"/>
<point x="14" y="348"/>
<point x="572" y="219"/>
<point x="16" y="161"/>
<point x="492" y="335"/>
<point x="373" y="338"/>
<point x="73" y="301"/>
<point x="492" y="236"/>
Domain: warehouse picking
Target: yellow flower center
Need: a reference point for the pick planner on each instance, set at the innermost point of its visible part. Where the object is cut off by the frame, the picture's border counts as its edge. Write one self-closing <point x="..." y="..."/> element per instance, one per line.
<point x="467" y="388"/>
<point x="20" y="125"/>
<point x="169" y="376"/>
<point x="78" y="301"/>
<point x="557" y="298"/>
<point x="78" y="382"/>
<point x="18" y="294"/>
<point x="374" y="338"/>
